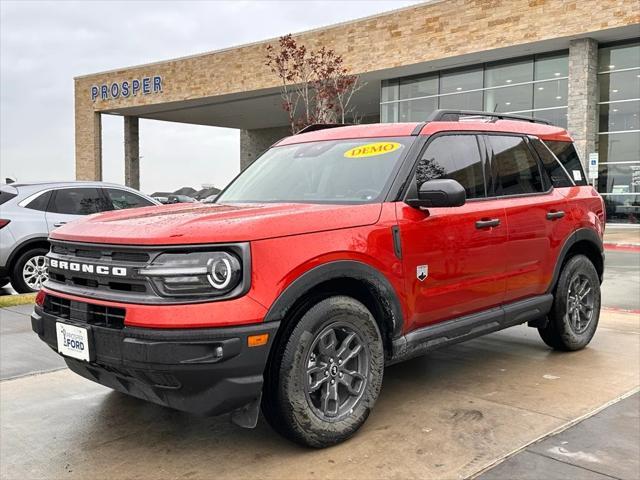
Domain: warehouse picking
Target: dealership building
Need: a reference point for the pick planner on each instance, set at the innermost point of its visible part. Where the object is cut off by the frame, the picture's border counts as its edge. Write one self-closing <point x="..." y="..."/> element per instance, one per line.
<point x="575" y="63"/>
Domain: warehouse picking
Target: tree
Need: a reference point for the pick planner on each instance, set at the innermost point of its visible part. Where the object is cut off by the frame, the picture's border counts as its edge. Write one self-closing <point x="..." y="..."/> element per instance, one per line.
<point x="315" y="87"/>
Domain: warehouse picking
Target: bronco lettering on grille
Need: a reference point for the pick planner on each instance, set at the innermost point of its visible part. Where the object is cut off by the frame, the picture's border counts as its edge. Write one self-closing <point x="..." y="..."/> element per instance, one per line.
<point x="88" y="268"/>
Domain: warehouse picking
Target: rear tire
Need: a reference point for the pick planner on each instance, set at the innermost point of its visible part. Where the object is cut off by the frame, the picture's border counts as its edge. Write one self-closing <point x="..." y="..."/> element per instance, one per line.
<point x="27" y="274"/>
<point x="324" y="379"/>
<point x="575" y="312"/>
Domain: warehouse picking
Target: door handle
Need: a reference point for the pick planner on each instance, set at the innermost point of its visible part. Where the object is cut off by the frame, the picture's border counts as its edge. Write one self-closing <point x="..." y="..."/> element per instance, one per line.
<point x="555" y="215"/>
<point x="59" y="224"/>
<point x="493" y="222"/>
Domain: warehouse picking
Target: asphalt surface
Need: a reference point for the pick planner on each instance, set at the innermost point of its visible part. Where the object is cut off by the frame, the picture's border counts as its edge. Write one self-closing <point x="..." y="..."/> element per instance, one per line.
<point x="451" y="414"/>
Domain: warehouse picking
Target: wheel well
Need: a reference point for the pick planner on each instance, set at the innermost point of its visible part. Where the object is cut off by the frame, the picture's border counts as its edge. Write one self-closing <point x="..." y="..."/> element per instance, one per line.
<point x="589" y="250"/>
<point x="28" y="245"/>
<point x="359" y="290"/>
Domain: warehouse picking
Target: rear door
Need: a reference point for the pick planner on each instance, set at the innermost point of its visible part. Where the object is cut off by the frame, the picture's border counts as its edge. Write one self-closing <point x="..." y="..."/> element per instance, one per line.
<point x="452" y="257"/>
<point x="537" y="218"/>
<point x="68" y="204"/>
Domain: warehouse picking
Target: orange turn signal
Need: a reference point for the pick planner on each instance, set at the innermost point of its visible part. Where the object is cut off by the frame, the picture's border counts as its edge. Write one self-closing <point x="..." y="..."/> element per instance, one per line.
<point x="257" y="340"/>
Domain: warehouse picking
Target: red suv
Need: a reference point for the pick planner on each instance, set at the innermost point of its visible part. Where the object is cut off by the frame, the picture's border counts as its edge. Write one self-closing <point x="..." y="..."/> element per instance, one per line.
<point x="339" y="251"/>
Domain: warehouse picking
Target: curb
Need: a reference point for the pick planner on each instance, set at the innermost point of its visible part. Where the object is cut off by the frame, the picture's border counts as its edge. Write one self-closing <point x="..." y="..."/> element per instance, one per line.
<point x="622" y="247"/>
<point x="621" y="310"/>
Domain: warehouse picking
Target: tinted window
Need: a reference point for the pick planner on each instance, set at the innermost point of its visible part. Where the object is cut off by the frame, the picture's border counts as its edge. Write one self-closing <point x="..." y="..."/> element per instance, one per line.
<point x="566" y="153"/>
<point x="41" y="202"/>
<point x="456" y="157"/>
<point x="122" y="199"/>
<point x="518" y="172"/>
<point x="79" y="201"/>
<point x="6" y="196"/>
<point x="557" y="174"/>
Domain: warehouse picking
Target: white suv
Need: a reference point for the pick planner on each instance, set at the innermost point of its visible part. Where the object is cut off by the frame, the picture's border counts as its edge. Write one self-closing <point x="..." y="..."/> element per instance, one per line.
<point x="29" y="211"/>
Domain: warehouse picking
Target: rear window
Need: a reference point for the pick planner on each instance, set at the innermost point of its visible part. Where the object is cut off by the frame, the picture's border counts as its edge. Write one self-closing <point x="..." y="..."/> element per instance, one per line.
<point x="6" y="196"/>
<point x="40" y="202"/>
<point x="566" y="153"/>
<point x="555" y="170"/>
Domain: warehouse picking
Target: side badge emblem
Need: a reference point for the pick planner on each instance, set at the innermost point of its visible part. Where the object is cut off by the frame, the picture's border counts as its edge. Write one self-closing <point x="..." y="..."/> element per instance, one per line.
<point x="422" y="272"/>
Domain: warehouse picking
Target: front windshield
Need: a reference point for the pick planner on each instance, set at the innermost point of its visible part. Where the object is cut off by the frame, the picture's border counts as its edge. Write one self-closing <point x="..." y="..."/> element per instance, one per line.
<point x="332" y="171"/>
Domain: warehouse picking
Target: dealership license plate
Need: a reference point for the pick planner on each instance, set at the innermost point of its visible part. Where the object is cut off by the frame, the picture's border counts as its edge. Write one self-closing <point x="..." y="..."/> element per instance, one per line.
<point x="73" y="341"/>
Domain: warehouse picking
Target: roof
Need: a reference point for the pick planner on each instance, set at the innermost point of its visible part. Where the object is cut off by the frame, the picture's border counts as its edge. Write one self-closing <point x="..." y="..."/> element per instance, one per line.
<point x="545" y="132"/>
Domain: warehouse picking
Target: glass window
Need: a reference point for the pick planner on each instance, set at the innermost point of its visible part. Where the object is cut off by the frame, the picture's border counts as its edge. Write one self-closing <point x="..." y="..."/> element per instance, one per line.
<point x="122" y="199"/>
<point x="6" y="196"/>
<point x="335" y="171"/>
<point x="556" y="116"/>
<point x="615" y="117"/>
<point x="389" y="112"/>
<point x="555" y="170"/>
<point x="508" y="73"/>
<point x="456" y="157"/>
<point x="619" y="178"/>
<point x="40" y="202"/>
<point x="518" y="171"/>
<point x="619" y="147"/>
<point x="417" y="110"/>
<point x="566" y="153"/>
<point x="622" y="208"/>
<point x="509" y="99"/>
<point x="619" y="85"/>
<point x="552" y="66"/>
<point x="462" y="101"/>
<point x="389" y="90"/>
<point x="79" y="201"/>
<point x="419" y="87"/>
<point x="619" y="56"/>
<point x="550" y="94"/>
<point x="461" y="81"/>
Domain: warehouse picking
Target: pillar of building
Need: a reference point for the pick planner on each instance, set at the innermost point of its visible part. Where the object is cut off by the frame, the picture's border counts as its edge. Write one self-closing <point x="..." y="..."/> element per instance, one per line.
<point x="88" y="126"/>
<point x="131" y="152"/>
<point x="582" y="121"/>
<point x="254" y="142"/>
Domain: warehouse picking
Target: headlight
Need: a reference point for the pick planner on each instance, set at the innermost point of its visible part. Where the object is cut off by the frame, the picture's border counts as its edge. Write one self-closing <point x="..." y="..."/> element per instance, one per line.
<point x="194" y="274"/>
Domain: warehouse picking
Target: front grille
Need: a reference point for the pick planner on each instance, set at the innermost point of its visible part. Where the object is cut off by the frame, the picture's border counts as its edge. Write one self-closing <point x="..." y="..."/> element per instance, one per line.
<point x="99" y="255"/>
<point x="99" y="315"/>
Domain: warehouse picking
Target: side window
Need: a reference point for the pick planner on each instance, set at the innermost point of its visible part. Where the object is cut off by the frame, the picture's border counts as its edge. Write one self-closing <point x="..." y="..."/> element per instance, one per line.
<point x="122" y="199"/>
<point x="456" y="157"/>
<point x="518" y="171"/>
<point x="40" y="202"/>
<point x="78" y="201"/>
<point x="556" y="171"/>
<point x="566" y="153"/>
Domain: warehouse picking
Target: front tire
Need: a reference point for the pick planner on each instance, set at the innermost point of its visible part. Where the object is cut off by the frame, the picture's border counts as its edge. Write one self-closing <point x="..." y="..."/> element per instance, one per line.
<point x="576" y="307"/>
<point x="325" y="377"/>
<point x="29" y="271"/>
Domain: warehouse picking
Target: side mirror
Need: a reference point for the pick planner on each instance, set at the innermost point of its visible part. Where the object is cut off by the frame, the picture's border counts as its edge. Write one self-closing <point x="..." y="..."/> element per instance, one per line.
<point x="443" y="192"/>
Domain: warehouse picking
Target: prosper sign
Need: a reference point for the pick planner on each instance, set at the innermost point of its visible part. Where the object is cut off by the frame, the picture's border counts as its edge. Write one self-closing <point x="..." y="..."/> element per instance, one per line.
<point x="127" y="88"/>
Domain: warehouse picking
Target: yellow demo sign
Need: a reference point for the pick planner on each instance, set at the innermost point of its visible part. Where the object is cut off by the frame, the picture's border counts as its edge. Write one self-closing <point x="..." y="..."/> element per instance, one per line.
<point x="372" y="149"/>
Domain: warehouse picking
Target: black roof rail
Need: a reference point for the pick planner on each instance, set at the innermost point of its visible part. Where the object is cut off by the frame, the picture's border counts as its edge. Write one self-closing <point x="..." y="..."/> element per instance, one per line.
<point x="455" y="115"/>
<point x="320" y="126"/>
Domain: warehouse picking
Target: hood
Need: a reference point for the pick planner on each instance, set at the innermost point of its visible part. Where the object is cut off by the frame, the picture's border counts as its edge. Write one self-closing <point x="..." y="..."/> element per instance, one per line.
<point x="214" y="223"/>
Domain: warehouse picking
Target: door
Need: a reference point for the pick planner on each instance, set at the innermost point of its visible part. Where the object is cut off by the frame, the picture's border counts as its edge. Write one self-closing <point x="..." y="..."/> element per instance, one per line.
<point x="452" y="257"/>
<point x="537" y="218"/>
<point x="68" y="204"/>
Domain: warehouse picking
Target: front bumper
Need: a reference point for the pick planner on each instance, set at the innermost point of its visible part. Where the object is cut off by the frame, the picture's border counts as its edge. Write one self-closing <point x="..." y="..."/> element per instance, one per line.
<point x="207" y="371"/>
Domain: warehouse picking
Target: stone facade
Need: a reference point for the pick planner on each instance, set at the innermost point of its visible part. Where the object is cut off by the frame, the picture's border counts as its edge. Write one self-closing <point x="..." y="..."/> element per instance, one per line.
<point x="583" y="96"/>
<point x="254" y="142"/>
<point x="131" y="152"/>
<point x="421" y="33"/>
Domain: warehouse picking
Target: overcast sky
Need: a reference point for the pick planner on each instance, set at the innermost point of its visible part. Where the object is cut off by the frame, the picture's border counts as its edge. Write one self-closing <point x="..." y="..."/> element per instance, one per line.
<point x="43" y="45"/>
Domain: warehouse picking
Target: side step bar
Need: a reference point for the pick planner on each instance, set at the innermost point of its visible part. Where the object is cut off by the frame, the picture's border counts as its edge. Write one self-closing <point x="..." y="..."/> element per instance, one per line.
<point x="429" y="338"/>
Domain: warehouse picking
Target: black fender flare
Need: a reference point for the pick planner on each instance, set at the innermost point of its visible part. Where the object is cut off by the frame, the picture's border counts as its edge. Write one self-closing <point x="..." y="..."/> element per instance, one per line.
<point x="582" y="234"/>
<point x="351" y="269"/>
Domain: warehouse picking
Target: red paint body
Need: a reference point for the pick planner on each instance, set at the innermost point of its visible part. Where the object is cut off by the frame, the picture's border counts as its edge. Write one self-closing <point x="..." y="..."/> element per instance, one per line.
<point x="470" y="269"/>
